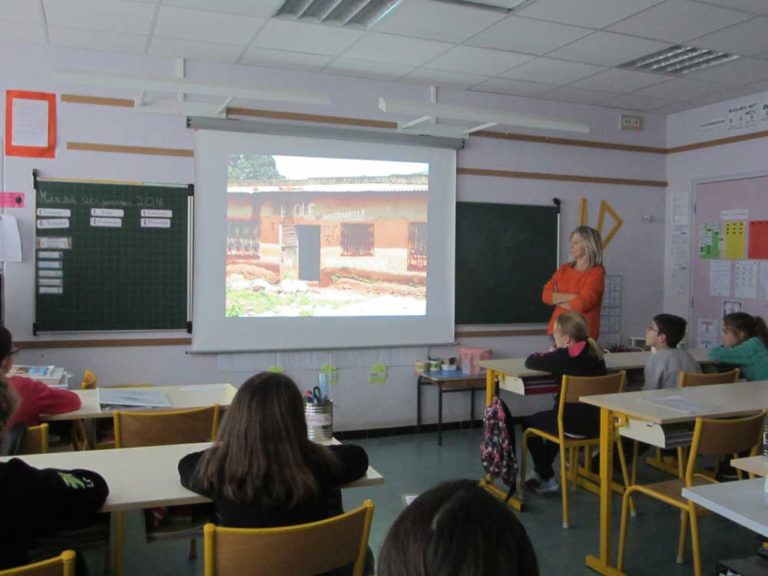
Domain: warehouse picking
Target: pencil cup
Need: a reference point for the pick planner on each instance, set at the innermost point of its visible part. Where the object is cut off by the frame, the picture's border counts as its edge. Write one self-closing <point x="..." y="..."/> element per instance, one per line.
<point x="319" y="421"/>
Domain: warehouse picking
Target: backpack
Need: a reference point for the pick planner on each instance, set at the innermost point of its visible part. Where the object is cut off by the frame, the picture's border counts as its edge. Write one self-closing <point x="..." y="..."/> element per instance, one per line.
<point x="497" y="450"/>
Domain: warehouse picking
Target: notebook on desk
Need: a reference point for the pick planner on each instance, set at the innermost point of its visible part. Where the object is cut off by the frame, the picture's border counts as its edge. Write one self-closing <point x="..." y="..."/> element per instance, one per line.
<point x="132" y="398"/>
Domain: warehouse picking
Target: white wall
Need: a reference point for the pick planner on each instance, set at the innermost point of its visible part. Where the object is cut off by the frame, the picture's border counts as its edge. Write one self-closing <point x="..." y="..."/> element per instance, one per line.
<point x="722" y="162"/>
<point x="636" y="252"/>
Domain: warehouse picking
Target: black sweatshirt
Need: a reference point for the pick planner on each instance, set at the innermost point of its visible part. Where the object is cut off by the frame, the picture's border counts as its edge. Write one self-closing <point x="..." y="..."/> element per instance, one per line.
<point x="36" y="502"/>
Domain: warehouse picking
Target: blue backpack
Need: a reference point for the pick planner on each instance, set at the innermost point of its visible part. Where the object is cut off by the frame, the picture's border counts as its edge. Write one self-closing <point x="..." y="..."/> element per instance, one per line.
<point x="497" y="449"/>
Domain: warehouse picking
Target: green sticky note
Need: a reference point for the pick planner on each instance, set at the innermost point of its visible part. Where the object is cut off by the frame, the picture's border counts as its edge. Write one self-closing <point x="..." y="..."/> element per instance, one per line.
<point x="378" y="374"/>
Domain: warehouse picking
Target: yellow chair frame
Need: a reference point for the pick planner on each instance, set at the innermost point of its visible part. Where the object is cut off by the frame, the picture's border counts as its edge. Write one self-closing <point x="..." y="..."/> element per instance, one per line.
<point x="35" y="440"/>
<point x="711" y="437"/>
<point x="61" y="565"/>
<point x="80" y="438"/>
<point x="324" y="545"/>
<point x="571" y="389"/>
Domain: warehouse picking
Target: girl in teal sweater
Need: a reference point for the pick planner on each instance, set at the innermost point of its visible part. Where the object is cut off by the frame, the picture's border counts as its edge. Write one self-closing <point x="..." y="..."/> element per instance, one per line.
<point x="745" y="344"/>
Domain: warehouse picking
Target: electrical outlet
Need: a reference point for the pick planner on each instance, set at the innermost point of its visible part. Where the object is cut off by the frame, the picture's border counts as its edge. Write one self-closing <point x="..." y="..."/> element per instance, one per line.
<point x="629" y="122"/>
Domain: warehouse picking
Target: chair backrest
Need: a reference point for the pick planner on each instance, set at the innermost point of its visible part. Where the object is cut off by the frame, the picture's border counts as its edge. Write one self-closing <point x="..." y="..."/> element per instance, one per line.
<point x="89" y="380"/>
<point x="161" y="427"/>
<point x="61" y="565"/>
<point x="686" y="379"/>
<point x="35" y="440"/>
<point x="574" y="387"/>
<point x="303" y="550"/>
<point x="725" y="436"/>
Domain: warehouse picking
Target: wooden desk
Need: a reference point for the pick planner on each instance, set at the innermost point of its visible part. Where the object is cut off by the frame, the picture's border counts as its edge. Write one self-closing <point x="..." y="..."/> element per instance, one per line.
<point x="143" y="477"/>
<point x="188" y="396"/>
<point x="719" y="400"/>
<point x="742" y="502"/>
<point x="757" y="465"/>
<point x="448" y="382"/>
<point x="636" y="360"/>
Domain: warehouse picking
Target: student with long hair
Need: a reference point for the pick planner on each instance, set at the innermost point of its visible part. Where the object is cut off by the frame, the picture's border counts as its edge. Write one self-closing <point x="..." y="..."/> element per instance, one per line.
<point x="745" y="344"/>
<point x="578" y="285"/>
<point x="263" y="470"/>
<point x="575" y="354"/>
<point x="457" y="528"/>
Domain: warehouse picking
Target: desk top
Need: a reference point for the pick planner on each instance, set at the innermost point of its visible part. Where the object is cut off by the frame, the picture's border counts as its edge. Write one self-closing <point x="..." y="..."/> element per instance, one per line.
<point x="719" y="400"/>
<point x="743" y="502"/>
<point x="511" y="367"/>
<point x="451" y="376"/>
<point x="188" y="396"/>
<point x="757" y="465"/>
<point x="143" y="477"/>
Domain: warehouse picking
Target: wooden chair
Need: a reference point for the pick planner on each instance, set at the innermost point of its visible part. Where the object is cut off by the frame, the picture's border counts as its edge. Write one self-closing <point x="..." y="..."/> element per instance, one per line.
<point x="35" y="440"/>
<point x="684" y="380"/>
<point x="61" y="565"/>
<point x="80" y="438"/>
<point x="571" y="389"/>
<point x="159" y="428"/>
<point x="711" y="437"/>
<point x="303" y="550"/>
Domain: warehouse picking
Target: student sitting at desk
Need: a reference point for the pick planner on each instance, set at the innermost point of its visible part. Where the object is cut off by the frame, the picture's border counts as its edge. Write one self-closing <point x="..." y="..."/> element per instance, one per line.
<point x="745" y="344"/>
<point x="263" y="470"/>
<point x="576" y="354"/>
<point x="663" y="367"/>
<point x="35" y="502"/>
<point x="35" y="398"/>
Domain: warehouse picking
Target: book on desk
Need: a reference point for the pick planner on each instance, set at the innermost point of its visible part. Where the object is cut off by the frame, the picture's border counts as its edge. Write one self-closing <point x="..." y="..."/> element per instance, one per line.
<point x="52" y="375"/>
<point x="126" y="398"/>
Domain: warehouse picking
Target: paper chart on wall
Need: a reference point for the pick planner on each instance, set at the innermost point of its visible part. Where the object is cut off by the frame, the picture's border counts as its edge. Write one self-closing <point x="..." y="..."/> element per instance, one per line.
<point x="764" y="281"/>
<point x="735" y="240"/>
<point x="745" y="279"/>
<point x="709" y="240"/>
<point x="720" y="278"/>
<point x="706" y="333"/>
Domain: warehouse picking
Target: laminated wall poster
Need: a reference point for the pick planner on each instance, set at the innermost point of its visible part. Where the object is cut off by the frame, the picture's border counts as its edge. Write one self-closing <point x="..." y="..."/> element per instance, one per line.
<point x="30" y="124"/>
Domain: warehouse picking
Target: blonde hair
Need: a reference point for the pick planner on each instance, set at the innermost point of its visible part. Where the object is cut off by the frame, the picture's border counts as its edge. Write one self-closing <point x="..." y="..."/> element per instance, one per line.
<point x="574" y="324"/>
<point x="593" y="242"/>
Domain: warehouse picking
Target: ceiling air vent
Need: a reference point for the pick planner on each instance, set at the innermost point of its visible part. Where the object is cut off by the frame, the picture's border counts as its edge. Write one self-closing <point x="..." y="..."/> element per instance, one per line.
<point x="679" y="60"/>
<point x="506" y="6"/>
<point x="355" y="13"/>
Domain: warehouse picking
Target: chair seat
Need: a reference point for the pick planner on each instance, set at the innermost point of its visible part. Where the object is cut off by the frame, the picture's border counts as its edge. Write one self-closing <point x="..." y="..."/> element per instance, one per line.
<point x="672" y="488"/>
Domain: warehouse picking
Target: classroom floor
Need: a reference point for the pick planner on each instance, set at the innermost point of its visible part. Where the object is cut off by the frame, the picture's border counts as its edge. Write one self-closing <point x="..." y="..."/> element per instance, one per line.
<point x="412" y="463"/>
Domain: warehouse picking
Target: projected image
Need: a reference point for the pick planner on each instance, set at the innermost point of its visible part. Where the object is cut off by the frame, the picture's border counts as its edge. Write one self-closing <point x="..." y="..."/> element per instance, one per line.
<point x="309" y="236"/>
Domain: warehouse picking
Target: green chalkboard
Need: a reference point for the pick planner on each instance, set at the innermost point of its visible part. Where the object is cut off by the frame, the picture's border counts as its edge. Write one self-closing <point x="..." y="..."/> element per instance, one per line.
<point x="111" y="256"/>
<point x="505" y="253"/>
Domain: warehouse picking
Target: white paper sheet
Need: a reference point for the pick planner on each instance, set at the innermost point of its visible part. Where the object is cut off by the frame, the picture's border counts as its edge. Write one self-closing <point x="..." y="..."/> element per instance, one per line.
<point x="10" y="241"/>
<point x="30" y="122"/>
<point x="764" y="281"/>
<point x="720" y="278"/>
<point x="707" y="334"/>
<point x="125" y="397"/>
<point x="678" y="403"/>
<point x="745" y="279"/>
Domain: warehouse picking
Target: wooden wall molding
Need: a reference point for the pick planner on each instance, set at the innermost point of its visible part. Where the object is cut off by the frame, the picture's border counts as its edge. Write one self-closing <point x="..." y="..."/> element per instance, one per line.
<point x="121" y="149"/>
<point x="296" y="116"/>
<point x="99" y="343"/>
<point x="97" y="100"/>
<point x="561" y="177"/>
<point x="569" y="142"/>
<point x="718" y="142"/>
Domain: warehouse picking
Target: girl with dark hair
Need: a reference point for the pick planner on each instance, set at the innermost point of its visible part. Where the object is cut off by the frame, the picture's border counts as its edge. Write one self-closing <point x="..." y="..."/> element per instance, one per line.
<point x="745" y="344"/>
<point x="457" y="528"/>
<point x="263" y="470"/>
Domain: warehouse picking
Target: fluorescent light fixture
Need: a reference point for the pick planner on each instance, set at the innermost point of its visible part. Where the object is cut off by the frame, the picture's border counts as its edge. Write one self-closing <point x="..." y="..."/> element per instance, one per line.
<point x="679" y="60"/>
<point x="355" y="13"/>
<point x="144" y="83"/>
<point x="481" y="116"/>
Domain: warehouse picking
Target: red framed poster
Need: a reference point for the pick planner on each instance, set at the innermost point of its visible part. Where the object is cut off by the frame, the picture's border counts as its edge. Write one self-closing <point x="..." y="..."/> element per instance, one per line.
<point x="30" y="124"/>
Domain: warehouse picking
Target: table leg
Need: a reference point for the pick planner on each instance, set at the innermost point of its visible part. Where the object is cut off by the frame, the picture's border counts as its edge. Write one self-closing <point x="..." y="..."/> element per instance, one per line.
<point x="418" y="405"/>
<point x="439" y="415"/>
<point x="602" y="563"/>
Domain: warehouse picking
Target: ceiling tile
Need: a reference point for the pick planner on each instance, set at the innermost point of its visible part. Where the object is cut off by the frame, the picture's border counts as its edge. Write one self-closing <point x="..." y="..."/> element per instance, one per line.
<point x="205" y="26"/>
<point x="527" y="35"/>
<point x="680" y="89"/>
<point x="391" y="49"/>
<point x="512" y="87"/>
<point x="263" y="8"/>
<point x="21" y="32"/>
<point x="737" y="72"/>
<point x="552" y="71"/>
<point x="97" y="40"/>
<point x="589" y="13"/>
<point x="576" y="95"/>
<point x="632" y="102"/>
<point x="436" y="21"/>
<point x="285" y="59"/>
<point x="307" y="38"/>
<point x="753" y="6"/>
<point x="19" y="11"/>
<point x="608" y="49"/>
<point x="109" y="15"/>
<point x="678" y="21"/>
<point x="746" y="38"/>
<point x="194" y="49"/>
<point x="760" y="86"/>
<point x="619" y="81"/>
<point x="367" y="69"/>
<point x="444" y="78"/>
<point x="478" y="60"/>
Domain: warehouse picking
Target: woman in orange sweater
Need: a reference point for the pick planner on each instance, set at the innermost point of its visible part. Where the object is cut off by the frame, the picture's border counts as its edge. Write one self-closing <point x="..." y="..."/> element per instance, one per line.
<point x="578" y="285"/>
